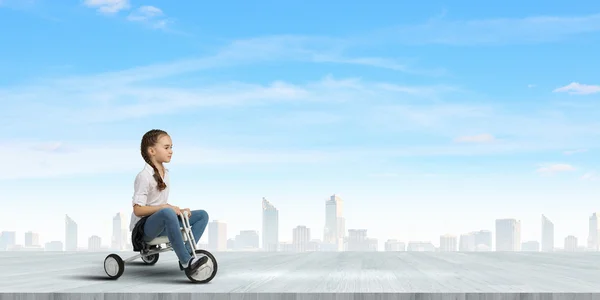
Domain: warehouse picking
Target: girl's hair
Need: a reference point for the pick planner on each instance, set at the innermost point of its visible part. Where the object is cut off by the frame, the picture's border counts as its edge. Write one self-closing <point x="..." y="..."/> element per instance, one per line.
<point x="148" y="140"/>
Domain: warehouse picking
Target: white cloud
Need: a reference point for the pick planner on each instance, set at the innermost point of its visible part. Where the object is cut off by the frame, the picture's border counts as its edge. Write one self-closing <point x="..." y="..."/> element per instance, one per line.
<point x="480" y="138"/>
<point x="34" y="159"/>
<point x="383" y="175"/>
<point x="50" y="147"/>
<point x="576" y="88"/>
<point x="144" y="13"/>
<point x="47" y="159"/>
<point x="150" y="15"/>
<point x="440" y="117"/>
<point x="591" y="176"/>
<point x="571" y="152"/>
<point x="240" y="53"/>
<point x="379" y="63"/>
<point x="371" y="108"/>
<point x="555" y="168"/>
<point x="499" y="31"/>
<point x="301" y="118"/>
<point x="99" y="103"/>
<point x="108" y="6"/>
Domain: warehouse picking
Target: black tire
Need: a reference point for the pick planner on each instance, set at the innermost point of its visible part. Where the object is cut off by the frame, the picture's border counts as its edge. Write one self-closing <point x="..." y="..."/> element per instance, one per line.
<point x="150" y="260"/>
<point x="212" y="260"/>
<point x="114" y="266"/>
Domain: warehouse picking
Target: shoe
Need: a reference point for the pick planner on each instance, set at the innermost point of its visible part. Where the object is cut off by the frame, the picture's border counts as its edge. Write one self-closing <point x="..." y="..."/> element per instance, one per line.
<point x="195" y="264"/>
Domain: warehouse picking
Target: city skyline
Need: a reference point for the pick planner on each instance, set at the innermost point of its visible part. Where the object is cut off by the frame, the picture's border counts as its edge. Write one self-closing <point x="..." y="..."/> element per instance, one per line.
<point x="505" y="236"/>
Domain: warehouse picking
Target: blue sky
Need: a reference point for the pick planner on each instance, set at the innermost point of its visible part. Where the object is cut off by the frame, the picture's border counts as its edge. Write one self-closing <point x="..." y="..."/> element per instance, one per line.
<point x="434" y="118"/>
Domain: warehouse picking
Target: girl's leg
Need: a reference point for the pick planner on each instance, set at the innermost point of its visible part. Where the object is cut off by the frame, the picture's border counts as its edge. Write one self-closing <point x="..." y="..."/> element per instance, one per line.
<point x="198" y="221"/>
<point x="165" y="221"/>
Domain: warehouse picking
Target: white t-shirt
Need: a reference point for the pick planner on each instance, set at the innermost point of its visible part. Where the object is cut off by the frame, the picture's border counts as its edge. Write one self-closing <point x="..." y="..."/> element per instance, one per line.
<point x="146" y="192"/>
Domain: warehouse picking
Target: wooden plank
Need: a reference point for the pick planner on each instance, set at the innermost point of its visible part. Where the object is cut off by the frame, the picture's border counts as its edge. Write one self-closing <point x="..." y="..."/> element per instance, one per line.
<point x="312" y="272"/>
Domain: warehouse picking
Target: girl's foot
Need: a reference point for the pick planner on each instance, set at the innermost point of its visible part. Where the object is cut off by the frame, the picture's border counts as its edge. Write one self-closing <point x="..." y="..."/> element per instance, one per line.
<point x="194" y="263"/>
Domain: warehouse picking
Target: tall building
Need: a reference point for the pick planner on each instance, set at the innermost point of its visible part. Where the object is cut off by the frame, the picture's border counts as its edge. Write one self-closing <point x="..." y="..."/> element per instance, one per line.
<point x="217" y="235"/>
<point x="372" y="244"/>
<point x="335" y="223"/>
<point x="594" y="229"/>
<point x="246" y="240"/>
<point x="547" y="235"/>
<point x="508" y="235"/>
<point x="301" y="238"/>
<point x="8" y="240"/>
<point x="571" y="243"/>
<point x="448" y="243"/>
<point x="483" y="240"/>
<point x="231" y="243"/>
<point x="32" y="239"/>
<point x="270" y="226"/>
<point x="467" y="242"/>
<point x="70" y="234"/>
<point x="94" y="243"/>
<point x="358" y="240"/>
<point x="119" y="232"/>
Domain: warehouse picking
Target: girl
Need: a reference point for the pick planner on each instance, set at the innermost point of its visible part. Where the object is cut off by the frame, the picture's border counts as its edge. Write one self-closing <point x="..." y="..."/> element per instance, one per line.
<point x="152" y="215"/>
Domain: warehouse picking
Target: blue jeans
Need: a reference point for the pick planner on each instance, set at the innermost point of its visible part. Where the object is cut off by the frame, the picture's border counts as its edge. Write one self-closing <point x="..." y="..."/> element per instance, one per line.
<point x="167" y="222"/>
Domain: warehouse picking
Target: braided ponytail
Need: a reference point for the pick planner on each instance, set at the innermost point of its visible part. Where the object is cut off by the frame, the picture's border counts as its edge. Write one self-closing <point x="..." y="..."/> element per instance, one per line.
<point x="148" y="140"/>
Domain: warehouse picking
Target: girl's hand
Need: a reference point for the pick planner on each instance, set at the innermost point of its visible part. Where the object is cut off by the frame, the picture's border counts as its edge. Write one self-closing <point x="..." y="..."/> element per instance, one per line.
<point x="189" y="212"/>
<point x="176" y="209"/>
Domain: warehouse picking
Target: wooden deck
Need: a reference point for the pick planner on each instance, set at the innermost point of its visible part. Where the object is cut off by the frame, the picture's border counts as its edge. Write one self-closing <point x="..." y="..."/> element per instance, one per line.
<point x="311" y="273"/>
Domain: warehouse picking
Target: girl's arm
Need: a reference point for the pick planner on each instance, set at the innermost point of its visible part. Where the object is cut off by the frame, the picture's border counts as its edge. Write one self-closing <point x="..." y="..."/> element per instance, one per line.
<point x="142" y="211"/>
<point x="140" y="197"/>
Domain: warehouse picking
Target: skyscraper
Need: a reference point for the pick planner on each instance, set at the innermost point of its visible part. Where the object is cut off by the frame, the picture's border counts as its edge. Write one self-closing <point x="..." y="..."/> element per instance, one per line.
<point x="571" y="243"/>
<point x="32" y="239"/>
<point x="448" y="243"/>
<point x="94" y="243"/>
<point x="483" y="240"/>
<point x="217" y="235"/>
<point x="119" y="232"/>
<point x="8" y="239"/>
<point x="508" y="235"/>
<point x="270" y="226"/>
<point x="246" y="240"/>
<point x="467" y="242"/>
<point x="547" y="235"/>
<point x="335" y="224"/>
<point x="70" y="234"/>
<point x="358" y="240"/>
<point x="594" y="228"/>
<point x="301" y="238"/>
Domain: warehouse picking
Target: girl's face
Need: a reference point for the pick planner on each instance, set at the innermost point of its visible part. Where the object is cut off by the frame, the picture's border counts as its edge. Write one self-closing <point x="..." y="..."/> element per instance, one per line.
<point x="162" y="150"/>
